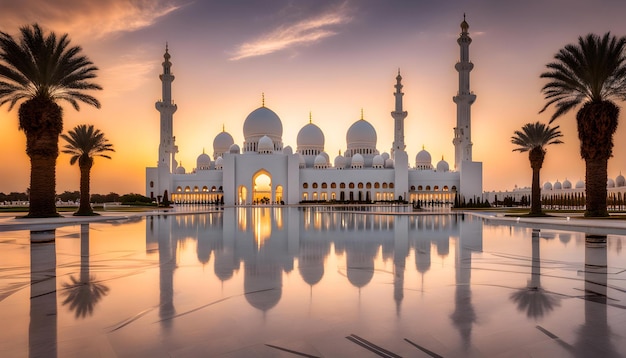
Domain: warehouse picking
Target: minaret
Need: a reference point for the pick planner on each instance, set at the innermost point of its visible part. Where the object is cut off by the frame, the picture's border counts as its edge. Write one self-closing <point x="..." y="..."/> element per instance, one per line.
<point x="166" y="108"/>
<point x="398" y="118"/>
<point x="464" y="99"/>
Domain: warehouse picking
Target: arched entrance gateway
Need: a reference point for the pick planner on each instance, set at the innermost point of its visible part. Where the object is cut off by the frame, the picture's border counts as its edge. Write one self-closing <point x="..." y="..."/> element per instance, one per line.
<point x="262" y="188"/>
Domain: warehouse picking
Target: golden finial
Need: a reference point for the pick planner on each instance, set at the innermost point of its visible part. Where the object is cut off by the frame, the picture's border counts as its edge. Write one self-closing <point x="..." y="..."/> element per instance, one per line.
<point x="262" y="99"/>
<point x="361" y="113"/>
<point x="223" y="128"/>
<point x="310" y="117"/>
<point x="442" y="157"/>
<point x="203" y="150"/>
<point x="423" y="147"/>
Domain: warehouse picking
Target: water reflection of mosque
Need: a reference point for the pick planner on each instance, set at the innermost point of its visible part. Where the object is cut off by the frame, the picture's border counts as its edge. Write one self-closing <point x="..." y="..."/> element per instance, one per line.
<point x="269" y="240"/>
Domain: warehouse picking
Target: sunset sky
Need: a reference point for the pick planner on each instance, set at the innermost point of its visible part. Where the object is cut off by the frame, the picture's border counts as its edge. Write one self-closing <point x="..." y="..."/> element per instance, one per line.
<point x="330" y="58"/>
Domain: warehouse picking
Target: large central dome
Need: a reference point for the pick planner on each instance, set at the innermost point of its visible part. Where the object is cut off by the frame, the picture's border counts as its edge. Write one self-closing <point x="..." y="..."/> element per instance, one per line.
<point x="361" y="134"/>
<point x="310" y="136"/>
<point x="263" y="121"/>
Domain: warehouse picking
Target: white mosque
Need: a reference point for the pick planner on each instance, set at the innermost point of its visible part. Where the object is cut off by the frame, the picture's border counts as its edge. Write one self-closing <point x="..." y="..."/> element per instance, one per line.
<point x="263" y="170"/>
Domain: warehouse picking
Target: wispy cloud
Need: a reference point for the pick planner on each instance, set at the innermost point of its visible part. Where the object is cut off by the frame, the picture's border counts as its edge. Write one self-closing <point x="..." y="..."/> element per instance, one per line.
<point x="85" y="19"/>
<point x="130" y="74"/>
<point x="306" y="31"/>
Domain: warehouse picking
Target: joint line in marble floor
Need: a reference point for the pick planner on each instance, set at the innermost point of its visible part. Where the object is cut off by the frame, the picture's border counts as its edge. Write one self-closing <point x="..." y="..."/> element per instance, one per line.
<point x="291" y="351"/>
<point x="556" y="338"/>
<point x="425" y="350"/>
<point x="371" y="346"/>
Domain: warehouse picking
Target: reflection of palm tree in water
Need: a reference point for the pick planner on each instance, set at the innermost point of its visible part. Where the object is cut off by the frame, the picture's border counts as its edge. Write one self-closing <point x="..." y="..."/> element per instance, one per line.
<point x="84" y="293"/>
<point x="594" y="335"/>
<point x="533" y="298"/>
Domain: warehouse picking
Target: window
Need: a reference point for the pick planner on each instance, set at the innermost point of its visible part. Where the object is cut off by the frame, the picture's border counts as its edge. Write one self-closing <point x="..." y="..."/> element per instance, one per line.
<point x="305" y="186"/>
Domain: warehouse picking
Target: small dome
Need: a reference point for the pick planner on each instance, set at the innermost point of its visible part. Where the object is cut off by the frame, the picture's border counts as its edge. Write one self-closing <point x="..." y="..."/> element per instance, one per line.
<point x="288" y="150"/>
<point x="378" y="161"/>
<point x="262" y="121"/>
<point x="320" y="161"/>
<point x="423" y="160"/>
<point x="389" y="163"/>
<point x="619" y="181"/>
<point x="610" y="183"/>
<point x="203" y="162"/>
<point x="180" y="170"/>
<point x="580" y="184"/>
<point x="234" y="149"/>
<point x="357" y="161"/>
<point x="386" y="156"/>
<point x="266" y="145"/>
<point x="219" y="162"/>
<point x="558" y="185"/>
<point x="222" y="143"/>
<point x="443" y="166"/>
<point x="547" y="186"/>
<point x="301" y="161"/>
<point x="310" y="136"/>
<point x="340" y="161"/>
<point x="464" y="26"/>
<point x="567" y="184"/>
<point x="361" y="134"/>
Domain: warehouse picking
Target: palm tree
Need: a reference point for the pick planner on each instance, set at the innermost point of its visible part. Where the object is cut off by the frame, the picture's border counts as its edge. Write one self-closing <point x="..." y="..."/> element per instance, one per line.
<point x="42" y="70"/>
<point x="532" y="139"/>
<point x="84" y="142"/>
<point x="592" y="74"/>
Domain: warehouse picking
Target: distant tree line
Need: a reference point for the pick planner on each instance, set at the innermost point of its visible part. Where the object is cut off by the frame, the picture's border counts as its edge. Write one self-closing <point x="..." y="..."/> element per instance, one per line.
<point x="74" y="196"/>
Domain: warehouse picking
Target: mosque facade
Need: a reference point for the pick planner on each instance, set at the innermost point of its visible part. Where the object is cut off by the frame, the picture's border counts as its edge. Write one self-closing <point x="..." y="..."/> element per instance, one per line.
<point x="264" y="170"/>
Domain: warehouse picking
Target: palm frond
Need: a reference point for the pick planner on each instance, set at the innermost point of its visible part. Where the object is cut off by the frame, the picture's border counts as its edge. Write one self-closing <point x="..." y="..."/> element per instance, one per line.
<point x="535" y="135"/>
<point x="594" y="69"/>
<point x="39" y="64"/>
<point x="86" y="141"/>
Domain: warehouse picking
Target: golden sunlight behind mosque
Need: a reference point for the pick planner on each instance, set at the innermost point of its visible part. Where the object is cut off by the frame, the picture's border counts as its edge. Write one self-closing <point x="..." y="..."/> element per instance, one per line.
<point x="262" y="189"/>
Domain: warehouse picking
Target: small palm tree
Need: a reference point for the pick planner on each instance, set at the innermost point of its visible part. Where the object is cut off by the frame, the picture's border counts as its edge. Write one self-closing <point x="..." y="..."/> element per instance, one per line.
<point x="592" y="74"/>
<point x="532" y="139"/>
<point x="84" y="142"/>
<point x="42" y="70"/>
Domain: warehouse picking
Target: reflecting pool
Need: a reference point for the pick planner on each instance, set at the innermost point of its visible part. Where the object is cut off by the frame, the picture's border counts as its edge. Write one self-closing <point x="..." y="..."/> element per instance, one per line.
<point x="288" y="282"/>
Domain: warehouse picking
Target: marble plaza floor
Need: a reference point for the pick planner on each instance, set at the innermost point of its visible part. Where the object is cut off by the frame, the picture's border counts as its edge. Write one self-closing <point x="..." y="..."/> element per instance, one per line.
<point x="294" y="282"/>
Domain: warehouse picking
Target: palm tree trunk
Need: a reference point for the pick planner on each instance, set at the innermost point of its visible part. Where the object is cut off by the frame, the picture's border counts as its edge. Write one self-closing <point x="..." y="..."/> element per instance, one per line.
<point x="85" y="177"/>
<point x="42" y="187"/>
<point x="535" y="202"/>
<point x="536" y="157"/>
<point x="41" y="120"/>
<point x="596" y="177"/>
